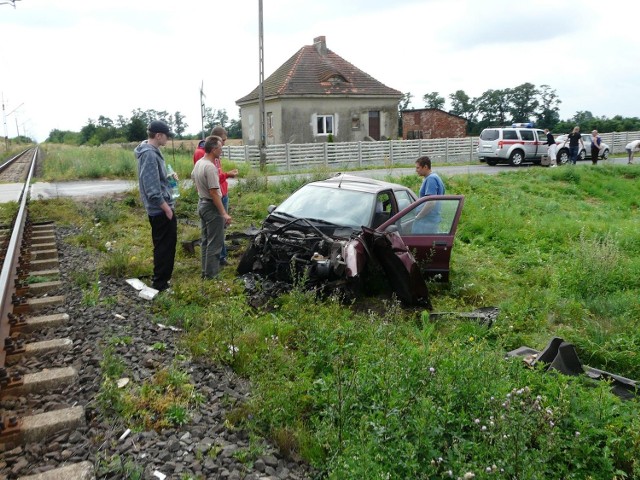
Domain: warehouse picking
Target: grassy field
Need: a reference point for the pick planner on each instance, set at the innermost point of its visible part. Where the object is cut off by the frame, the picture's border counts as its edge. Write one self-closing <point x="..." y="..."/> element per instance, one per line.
<point x="372" y="390"/>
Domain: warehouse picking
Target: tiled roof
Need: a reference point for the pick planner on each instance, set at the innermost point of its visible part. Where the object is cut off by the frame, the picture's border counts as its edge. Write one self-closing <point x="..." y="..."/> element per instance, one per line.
<point x="316" y="70"/>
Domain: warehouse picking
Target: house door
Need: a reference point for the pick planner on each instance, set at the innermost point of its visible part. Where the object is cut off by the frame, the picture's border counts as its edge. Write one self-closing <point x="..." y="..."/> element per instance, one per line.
<point x="374" y="125"/>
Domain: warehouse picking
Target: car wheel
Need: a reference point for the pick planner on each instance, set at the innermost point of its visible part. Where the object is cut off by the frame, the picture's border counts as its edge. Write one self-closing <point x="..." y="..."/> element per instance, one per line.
<point x="516" y="158"/>
<point x="562" y="158"/>
<point x="492" y="161"/>
<point x="605" y="154"/>
<point x="583" y="155"/>
<point x="248" y="258"/>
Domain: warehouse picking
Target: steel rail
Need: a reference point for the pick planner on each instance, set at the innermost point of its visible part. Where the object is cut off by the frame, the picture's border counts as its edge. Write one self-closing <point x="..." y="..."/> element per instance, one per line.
<point x="10" y="264"/>
<point x="8" y="163"/>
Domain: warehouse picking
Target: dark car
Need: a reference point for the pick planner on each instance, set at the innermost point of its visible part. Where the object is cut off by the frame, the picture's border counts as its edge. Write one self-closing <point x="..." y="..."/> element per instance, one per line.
<point x="327" y="232"/>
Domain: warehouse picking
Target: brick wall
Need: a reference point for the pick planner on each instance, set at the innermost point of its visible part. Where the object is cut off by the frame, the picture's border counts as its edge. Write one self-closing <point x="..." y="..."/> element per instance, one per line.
<point x="432" y="123"/>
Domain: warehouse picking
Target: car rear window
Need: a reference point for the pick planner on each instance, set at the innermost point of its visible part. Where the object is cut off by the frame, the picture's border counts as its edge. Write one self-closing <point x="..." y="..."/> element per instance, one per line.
<point x="489" y="134"/>
<point x="510" y="135"/>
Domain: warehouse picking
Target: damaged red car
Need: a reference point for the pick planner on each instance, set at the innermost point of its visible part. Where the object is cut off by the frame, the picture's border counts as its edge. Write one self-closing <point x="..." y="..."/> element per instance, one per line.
<point x="330" y="233"/>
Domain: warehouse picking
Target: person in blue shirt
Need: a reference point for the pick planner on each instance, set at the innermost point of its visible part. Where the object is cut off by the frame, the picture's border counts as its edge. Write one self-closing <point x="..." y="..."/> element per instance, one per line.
<point x="428" y="217"/>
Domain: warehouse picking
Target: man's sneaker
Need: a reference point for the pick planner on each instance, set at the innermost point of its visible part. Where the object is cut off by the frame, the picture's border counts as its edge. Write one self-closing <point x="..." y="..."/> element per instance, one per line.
<point x="553" y="166"/>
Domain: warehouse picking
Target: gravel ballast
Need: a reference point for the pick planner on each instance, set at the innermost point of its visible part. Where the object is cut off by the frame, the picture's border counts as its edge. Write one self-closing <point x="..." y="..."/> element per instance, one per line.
<point x="205" y="448"/>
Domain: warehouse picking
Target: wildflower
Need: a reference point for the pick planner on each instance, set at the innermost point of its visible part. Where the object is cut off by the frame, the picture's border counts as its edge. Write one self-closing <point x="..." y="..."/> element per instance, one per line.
<point x="520" y="391"/>
<point x="483" y="428"/>
<point x="476" y="421"/>
<point x="432" y="370"/>
<point x="469" y="476"/>
<point x="488" y="470"/>
<point x="577" y="433"/>
<point x="551" y="424"/>
<point x="233" y="349"/>
<point x="450" y="473"/>
<point x="440" y="459"/>
<point x="471" y="339"/>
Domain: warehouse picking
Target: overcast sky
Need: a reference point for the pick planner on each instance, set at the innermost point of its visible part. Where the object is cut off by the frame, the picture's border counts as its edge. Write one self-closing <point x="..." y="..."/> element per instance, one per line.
<point x="65" y="61"/>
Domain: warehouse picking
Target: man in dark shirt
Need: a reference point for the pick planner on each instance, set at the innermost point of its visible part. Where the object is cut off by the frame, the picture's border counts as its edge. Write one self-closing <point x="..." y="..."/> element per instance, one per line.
<point x="575" y="141"/>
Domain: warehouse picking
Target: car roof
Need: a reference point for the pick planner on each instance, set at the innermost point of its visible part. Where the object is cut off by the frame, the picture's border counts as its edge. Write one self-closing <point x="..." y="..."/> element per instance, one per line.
<point x="354" y="182"/>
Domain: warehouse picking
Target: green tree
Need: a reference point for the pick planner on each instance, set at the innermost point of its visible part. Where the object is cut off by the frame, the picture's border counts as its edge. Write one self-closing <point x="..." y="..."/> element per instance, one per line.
<point x="548" y="107"/>
<point x="493" y="107"/>
<point x="136" y="131"/>
<point x="523" y="102"/>
<point x="235" y="128"/>
<point x="179" y="124"/>
<point x="87" y="132"/>
<point x="433" y="100"/>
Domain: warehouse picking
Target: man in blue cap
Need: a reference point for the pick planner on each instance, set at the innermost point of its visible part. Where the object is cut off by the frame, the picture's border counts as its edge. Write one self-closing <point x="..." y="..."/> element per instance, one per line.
<point x="156" y="197"/>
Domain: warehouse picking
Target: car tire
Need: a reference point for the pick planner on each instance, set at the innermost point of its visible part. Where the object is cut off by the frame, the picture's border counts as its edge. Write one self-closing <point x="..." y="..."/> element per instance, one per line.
<point x="562" y="157"/>
<point x="492" y="161"/>
<point x="247" y="260"/>
<point x="605" y="154"/>
<point x="516" y="158"/>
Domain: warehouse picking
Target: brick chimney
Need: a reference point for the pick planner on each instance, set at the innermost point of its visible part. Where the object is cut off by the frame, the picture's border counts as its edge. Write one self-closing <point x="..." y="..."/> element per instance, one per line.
<point x="321" y="45"/>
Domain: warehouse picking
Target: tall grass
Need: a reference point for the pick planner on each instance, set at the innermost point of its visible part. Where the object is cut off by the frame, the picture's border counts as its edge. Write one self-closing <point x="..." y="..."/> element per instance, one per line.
<point x="372" y="390"/>
<point x="64" y="163"/>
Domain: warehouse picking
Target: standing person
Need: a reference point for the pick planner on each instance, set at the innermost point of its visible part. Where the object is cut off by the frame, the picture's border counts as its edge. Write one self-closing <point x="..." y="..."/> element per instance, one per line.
<point x="575" y="140"/>
<point x="213" y="216"/>
<point x="219" y="131"/>
<point x="155" y="194"/>
<point x="632" y="148"/>
<point x="428" y="218"/>
<point x="595" y="146"/>
<point x="553" y="148"/>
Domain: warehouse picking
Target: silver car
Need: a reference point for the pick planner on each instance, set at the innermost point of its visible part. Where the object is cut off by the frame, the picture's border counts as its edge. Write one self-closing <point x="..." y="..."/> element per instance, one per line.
<point x="514" y="145"/>
<point x="563" y="155"/>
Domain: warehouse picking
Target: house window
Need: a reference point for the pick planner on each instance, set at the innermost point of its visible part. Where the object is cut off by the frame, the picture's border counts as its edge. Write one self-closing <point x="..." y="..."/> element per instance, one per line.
<point x="324" y="124"/>
<point x="270" y="124"/>
<point x="355" y="122"/>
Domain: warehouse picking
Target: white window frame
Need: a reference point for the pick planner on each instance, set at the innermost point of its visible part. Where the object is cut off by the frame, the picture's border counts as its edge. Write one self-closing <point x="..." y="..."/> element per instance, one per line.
<point x="323" y="118"/>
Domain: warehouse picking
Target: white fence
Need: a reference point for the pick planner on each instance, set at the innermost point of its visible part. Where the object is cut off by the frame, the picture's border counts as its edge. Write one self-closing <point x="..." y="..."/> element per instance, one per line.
<point x="294" y="157"/>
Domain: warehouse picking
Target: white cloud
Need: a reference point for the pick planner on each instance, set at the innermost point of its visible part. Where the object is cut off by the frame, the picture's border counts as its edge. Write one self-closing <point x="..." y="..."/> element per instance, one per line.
<point x="73" y="59"/>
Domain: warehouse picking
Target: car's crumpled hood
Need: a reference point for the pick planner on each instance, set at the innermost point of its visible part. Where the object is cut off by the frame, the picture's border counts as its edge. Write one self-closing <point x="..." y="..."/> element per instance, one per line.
<point x="331" y="259"/>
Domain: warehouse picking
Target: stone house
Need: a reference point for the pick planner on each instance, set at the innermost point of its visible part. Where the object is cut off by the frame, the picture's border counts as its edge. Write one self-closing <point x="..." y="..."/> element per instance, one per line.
<point x="432" y="123"/>
<point x="317" y="96"/>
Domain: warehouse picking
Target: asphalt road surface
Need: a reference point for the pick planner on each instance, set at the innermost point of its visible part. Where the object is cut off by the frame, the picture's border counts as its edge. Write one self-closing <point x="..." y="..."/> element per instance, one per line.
<point x="97" y="188"/>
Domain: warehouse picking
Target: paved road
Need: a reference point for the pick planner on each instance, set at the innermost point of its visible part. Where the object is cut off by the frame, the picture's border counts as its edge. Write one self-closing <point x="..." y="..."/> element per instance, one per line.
<point x="96" y="188"/>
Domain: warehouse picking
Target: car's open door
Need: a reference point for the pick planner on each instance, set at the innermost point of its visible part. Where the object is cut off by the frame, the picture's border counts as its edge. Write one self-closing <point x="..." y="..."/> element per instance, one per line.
<point x="430" y="237"/>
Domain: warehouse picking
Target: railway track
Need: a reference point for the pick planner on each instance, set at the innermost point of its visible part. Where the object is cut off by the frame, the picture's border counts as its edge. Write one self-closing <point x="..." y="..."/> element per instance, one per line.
<point x="29" y="251"/>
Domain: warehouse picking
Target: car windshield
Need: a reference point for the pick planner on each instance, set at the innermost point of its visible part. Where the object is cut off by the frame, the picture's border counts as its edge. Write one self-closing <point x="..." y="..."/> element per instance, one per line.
<point x="335" y="205"/>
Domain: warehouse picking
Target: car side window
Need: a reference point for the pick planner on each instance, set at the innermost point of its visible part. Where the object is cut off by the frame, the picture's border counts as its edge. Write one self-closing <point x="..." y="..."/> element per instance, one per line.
<point x="527" y="135"/>
<point x="403" y="199"/>
<point x="510" y="135"/>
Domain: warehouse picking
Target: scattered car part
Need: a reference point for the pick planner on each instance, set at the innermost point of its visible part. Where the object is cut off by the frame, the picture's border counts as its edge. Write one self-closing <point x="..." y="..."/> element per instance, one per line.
<point x="561" y="356"/>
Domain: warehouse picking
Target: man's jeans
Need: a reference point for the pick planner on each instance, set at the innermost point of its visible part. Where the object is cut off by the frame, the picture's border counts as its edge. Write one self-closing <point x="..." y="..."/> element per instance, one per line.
<point x="573" y="153"/>
<point x="212" y="227"/>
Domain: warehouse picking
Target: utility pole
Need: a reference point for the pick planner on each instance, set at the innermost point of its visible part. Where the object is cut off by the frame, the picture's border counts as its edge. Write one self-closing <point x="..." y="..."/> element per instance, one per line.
<point x="263" y="136"/>
<point x="202" y="97"/>
<point x="4" y="120"/>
